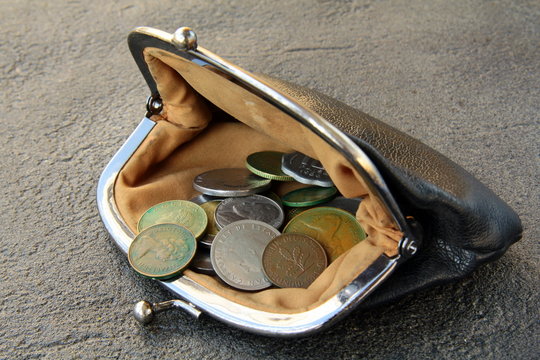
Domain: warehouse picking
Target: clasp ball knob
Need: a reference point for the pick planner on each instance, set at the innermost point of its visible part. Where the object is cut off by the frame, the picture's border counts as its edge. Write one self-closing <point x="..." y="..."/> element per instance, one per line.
<point x="184" y="39"/>
<point x="143" y="312"/>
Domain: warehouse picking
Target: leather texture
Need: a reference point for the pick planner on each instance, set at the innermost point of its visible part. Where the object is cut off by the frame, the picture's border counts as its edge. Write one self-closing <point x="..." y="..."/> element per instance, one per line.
<point x="464" y="223"/>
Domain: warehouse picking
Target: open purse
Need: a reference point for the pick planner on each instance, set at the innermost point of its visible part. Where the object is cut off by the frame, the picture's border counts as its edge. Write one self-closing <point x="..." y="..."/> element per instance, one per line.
<point x="428" y="221"/>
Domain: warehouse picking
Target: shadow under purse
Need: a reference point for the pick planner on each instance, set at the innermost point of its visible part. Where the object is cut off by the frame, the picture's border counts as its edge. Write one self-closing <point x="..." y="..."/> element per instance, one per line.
<point x="206" y="113"/>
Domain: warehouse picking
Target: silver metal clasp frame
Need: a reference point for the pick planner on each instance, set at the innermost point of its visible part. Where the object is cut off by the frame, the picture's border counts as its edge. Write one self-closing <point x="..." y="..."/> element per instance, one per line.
<point x="198" y="298"/>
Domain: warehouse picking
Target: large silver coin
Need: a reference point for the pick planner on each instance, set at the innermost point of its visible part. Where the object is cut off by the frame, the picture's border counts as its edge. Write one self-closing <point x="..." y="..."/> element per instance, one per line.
<point x="305" y="169"/>
<point x="236" y="254"/>
<point x="230" y="183"/>
<point x="350" y="205"/>
<point x="254" y="207"/>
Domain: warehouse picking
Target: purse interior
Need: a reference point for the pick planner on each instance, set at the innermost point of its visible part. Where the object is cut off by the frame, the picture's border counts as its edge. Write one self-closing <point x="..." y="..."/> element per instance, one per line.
<point x="209" y="122"/>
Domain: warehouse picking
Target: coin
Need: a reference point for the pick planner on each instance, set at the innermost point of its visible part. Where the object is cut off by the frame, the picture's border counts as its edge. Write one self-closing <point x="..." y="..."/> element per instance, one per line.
<point x="236" y="254"/>
<point x="162" y="251"/>
<point x="201" y="199"/>
<point x="212" y="229"/>
<point x="254" y="207"/>
<point x="202" y="263"/>
<point x="267" y="164"/>
<point x="335" y="229"/>
<point x="179" y="212"/>
<point x="305" y="169"/>
<point x="274" y="197"/>
<point x="350" y="205"/>
<point x="293" y="211"/>
<point x="230" y="182"/>
<point x="309" y="196"/>
<point x="293" y="260"/>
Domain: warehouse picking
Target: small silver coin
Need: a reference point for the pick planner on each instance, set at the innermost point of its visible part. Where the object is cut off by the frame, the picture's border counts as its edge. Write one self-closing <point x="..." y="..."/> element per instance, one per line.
<point x="305" y="170"/>
<point x="230" y="183"/>
<point x="350" y="205"/>
<point x="254" y="207"/>
<point x="236" y="254"/>
<point x="202" y="263"/>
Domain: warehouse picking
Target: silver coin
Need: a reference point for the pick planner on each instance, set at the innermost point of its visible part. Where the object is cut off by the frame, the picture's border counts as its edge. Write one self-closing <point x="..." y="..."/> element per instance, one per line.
<point x="230" y="183"/>
<point x="201" y="263"/>
<point x="305" y="169"/>
<point x="254" y="207"/>
<point x="236" y="254"/>
<point x="350" y="205"/>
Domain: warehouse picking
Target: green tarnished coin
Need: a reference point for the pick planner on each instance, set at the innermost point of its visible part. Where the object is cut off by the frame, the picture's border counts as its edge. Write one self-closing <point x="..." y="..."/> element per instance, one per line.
<point x="267" y="164"/>
<point x="335" y="229"/>
<point x="162" y="251"/>
<point x="179" y="212"/>
<point x="309" y="196"/>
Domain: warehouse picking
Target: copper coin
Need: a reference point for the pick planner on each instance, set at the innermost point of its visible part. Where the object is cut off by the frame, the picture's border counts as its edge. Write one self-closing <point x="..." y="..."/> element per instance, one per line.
<point x="293" y="260"/>
<point x="335" y="229"/>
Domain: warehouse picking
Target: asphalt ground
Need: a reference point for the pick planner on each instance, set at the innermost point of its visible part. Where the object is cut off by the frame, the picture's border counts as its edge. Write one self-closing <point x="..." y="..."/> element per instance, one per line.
<point x="462" y="76"/>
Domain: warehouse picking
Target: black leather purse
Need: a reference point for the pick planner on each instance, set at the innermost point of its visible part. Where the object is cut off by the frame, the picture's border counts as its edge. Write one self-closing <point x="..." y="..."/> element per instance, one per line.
<point x="443" y="221"/>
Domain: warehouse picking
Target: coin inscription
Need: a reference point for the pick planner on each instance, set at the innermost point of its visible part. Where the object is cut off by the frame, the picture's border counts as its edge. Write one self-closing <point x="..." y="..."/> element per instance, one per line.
<point x="254" y="207"/>
<point x="293" y="260"/>
<point x="335" y="229"/>
<point x="162" y="251"/>
<point x="236" y="254"/>
<point x="179" y="212"/>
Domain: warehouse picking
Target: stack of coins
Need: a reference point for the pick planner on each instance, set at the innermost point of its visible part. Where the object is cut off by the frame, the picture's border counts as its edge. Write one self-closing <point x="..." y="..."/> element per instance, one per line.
<point x="232" y="230"/>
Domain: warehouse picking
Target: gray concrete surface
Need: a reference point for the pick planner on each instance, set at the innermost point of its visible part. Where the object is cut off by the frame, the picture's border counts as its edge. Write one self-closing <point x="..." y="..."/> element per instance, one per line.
<point x="463" y="76"/>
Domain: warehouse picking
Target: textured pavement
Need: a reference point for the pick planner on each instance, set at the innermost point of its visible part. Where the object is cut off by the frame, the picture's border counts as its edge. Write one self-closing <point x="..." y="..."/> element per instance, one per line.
<point x="462" y="76"/>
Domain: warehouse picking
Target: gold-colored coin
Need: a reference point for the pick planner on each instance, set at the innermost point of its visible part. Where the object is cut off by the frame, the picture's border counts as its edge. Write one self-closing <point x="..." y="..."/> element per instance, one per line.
<point x="211" y="230"/>
<point x="335" y="229"/>
<point x="179" y="212"/>
<point x="162" y="251"/>
<point x="210" y="210"/>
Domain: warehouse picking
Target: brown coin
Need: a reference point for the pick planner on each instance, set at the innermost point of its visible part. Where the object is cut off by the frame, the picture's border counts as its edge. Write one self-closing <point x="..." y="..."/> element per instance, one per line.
<point x="335" y="229"/>
<point x="293" y="260"/>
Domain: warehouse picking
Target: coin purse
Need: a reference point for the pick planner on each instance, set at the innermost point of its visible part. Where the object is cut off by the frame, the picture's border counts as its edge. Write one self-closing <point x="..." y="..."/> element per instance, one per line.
<point x="428" y="221"/>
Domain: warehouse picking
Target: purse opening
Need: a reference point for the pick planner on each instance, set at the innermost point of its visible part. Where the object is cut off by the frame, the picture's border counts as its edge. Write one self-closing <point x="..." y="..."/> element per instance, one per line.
<point x="208" y="122"/>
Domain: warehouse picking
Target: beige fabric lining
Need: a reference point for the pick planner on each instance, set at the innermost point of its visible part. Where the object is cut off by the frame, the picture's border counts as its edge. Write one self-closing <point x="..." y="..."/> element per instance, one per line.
<point x="188" y="140"/>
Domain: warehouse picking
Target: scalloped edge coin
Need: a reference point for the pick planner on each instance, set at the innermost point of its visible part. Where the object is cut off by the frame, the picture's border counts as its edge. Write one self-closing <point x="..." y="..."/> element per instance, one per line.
<point x="305" y="170"/>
